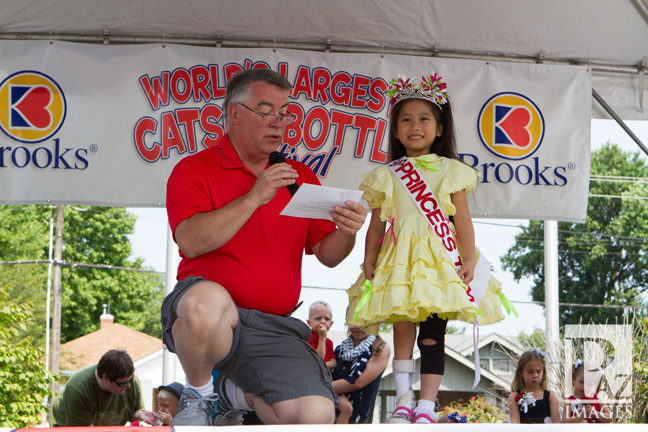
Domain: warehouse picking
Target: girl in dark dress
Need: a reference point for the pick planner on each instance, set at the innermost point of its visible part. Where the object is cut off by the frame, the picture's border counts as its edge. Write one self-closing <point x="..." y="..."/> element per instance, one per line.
<point x="530" y="401"/>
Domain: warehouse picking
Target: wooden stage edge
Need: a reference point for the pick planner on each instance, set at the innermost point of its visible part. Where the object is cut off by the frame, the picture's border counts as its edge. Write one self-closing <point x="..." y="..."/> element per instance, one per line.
<point x="448" y="427"/>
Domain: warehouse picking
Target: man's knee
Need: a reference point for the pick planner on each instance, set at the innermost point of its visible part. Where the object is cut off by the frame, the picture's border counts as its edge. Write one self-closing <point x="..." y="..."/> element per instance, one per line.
<point x="205" y="297"/>
<point x="207" y="305"/>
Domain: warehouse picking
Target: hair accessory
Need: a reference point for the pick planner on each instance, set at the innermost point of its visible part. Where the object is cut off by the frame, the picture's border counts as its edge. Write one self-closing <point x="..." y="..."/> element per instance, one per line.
<point x="430" y="88"/>
<point x="578" y="363"/>
<point x="541" y="353"/>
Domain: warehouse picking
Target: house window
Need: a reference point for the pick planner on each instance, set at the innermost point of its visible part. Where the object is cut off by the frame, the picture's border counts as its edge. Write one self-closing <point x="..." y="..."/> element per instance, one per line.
<point x="502" y="365"/>
<point x="483" y="364"/>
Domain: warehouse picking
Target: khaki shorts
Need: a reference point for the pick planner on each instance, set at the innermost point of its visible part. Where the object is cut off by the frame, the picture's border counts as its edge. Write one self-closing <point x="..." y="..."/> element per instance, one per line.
<point x="270" y="355"/>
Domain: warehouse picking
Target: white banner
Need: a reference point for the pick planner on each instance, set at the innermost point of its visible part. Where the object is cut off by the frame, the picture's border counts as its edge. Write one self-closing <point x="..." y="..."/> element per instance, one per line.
<point x="104" y="124"/>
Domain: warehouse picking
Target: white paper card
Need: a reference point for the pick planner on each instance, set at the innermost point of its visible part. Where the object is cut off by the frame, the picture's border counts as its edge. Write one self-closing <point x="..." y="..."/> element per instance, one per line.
<point x="317" y="202"/>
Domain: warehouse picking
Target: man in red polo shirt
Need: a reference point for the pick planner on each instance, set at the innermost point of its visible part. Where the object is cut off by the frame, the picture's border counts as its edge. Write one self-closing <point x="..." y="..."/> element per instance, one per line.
<point x="240" y="274"/>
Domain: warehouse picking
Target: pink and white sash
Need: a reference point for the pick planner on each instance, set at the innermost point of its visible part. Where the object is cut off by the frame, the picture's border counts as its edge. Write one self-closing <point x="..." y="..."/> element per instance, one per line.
<point x="430" y="208"/>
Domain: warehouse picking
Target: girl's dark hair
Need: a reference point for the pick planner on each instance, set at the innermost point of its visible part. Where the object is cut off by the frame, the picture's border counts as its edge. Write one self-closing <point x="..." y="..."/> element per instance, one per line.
<point x="445" y="145"/>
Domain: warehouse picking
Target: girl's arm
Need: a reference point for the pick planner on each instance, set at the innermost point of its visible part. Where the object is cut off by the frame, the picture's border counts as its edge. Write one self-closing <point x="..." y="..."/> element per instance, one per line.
<point x="466" y="234"/>
<point x="375" y="231"/>
<point x="375" y="366"/>
<point x="331" y="364"/>
<point x="554" y="408"/>
<point x="514" y="410"/>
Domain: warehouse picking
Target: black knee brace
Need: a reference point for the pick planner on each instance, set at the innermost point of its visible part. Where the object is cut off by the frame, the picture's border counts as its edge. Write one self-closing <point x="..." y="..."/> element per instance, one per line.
<point x="432" y="356"/>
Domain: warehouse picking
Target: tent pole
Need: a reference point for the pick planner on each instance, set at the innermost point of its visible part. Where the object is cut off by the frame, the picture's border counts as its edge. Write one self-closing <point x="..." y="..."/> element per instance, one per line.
<point x="618" y="119"/>
<point x="551" y="286"/>
<point x="172" y="261"/>
<point x="56" y="292"/>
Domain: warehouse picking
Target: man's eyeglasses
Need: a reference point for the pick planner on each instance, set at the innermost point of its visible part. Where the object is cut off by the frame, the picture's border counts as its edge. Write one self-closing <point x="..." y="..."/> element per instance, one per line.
<point x="124" y="384"/>
<point x="270" y="118"/>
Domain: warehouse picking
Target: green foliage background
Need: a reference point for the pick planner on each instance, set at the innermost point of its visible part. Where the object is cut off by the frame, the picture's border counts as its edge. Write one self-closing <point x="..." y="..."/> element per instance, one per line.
<point x="91" y="235"/>
<point x="24" y="382"/>
<point x="602" y="261"/>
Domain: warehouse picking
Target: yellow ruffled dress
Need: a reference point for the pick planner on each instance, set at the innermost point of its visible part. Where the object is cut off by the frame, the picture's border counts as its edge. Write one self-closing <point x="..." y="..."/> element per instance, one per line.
<point x="414" y="276"/>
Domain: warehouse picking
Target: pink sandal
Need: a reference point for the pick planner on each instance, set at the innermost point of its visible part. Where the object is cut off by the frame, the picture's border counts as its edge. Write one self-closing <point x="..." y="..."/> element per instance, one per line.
<point x="423" y="418"/>
<point x="401" y="414"/>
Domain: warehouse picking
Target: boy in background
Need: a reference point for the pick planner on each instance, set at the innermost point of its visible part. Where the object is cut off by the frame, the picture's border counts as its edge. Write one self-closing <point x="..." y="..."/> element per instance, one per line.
<point x="320" y="320"/>
<point x="167" y="398"/>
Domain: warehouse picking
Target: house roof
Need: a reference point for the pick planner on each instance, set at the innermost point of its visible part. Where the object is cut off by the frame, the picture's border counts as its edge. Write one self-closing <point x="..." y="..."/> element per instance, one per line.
<point x="464" y="343"/>
<point x="87" y="350"/>
<point x="485" y="373"/>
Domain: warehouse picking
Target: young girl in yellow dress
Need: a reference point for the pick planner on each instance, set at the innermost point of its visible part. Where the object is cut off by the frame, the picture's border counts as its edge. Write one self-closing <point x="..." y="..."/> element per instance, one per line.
<point x="408" y="274"/>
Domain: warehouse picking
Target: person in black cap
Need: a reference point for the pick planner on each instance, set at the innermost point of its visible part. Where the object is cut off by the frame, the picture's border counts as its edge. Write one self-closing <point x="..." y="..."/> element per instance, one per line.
<point x="168" y="398"/>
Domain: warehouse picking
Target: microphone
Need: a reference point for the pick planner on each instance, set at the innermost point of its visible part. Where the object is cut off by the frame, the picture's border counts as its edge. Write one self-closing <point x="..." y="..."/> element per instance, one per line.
<point x="275" y="158"/>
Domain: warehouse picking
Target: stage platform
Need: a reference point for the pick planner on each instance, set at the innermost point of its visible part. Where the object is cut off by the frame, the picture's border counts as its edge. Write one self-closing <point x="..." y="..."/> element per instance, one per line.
<point x="448" y="427"/>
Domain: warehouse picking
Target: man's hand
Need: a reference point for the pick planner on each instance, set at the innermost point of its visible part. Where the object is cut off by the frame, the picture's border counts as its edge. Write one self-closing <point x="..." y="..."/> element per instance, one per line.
<point x="339" y="243"/>
<point x="349" y="219"/>
<point x="146" y="417"/>
<point x="270" y="181"/>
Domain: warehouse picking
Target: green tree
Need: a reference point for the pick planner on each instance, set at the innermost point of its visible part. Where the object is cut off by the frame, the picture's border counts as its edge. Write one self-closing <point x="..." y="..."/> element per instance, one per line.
<point x="25" y="382"/>
<point x="91" y="235"/>
<point x="603" y="260"/>
<point x="24" y="236"/>
<point x="536" y="339"/>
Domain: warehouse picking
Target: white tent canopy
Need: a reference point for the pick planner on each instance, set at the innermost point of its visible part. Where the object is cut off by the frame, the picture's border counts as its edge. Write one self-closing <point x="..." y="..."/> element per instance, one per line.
<point x="611" y="36"/>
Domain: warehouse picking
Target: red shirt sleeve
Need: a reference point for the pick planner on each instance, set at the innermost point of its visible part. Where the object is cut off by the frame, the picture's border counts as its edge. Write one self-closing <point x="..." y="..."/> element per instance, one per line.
<point x="330" y="353"/>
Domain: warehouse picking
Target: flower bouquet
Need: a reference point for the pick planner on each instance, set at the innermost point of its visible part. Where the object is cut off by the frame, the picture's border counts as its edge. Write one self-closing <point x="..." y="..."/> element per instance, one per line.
<point x="525" y="400"/>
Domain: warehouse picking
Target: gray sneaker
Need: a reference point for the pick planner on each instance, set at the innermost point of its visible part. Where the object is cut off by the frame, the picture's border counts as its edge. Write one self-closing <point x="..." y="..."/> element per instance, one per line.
<point x="225" y="415"/>
<point x="229" y="418"/>
<point x="194" y="410"/>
